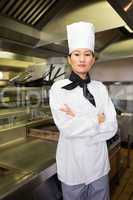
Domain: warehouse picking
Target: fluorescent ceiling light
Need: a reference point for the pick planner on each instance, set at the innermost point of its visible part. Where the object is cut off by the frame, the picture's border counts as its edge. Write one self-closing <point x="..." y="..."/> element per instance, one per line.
<point x="1" y="75"/>
<point x="128" y="6"/>
<point x="5" y="54"/>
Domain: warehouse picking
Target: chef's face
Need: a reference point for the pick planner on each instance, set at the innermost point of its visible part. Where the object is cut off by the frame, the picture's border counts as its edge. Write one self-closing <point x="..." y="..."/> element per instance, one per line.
<point x="81" y="61"/>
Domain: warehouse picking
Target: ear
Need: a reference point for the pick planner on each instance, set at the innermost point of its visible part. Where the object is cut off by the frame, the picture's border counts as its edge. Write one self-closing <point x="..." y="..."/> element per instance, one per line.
<point x="93" y="60"/>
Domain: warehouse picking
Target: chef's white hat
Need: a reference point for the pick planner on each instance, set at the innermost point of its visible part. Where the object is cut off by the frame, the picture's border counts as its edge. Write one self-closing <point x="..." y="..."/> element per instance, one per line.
<point x="81" y="35"/>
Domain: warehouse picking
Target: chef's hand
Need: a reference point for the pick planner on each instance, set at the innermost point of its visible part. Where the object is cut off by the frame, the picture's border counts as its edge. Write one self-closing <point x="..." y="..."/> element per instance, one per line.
<point x="67" y="110"/>
<point x="101" y="118"/>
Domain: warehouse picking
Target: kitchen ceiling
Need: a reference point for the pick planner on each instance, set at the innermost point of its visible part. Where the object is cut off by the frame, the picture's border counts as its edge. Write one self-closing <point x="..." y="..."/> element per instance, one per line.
<point x="110" y="26"/>
<point x="37" y="27"/>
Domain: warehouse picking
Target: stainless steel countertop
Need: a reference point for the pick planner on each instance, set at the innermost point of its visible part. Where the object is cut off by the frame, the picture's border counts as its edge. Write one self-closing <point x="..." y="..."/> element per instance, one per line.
<point x="28" y="124"/>
<point x="26" y="159"/>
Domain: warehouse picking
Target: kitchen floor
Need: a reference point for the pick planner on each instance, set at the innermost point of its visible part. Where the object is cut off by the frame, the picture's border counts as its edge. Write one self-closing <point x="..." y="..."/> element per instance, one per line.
<point x="124" y="191"/>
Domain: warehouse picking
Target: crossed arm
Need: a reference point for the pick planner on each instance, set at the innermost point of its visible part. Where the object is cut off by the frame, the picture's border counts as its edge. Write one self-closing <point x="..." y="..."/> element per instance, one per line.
<point x="97" y="128"/>
<point x="67" y="110"/>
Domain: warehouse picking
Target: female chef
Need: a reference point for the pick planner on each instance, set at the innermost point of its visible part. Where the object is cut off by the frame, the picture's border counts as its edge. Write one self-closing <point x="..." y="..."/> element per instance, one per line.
<point x="86" y="118"/>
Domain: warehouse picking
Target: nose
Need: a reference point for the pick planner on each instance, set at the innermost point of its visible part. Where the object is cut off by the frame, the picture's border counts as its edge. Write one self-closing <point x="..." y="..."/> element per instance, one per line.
<point x="82" y="58"/>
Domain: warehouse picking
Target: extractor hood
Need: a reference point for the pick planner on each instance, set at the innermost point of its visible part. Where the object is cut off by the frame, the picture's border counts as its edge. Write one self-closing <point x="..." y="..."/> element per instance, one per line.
<point x="37" y="28"/>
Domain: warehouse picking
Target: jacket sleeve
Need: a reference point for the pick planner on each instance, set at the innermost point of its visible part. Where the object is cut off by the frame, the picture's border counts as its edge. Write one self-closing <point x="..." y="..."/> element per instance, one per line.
<point x="109" y="128"/>
<point x="71" y="127"/>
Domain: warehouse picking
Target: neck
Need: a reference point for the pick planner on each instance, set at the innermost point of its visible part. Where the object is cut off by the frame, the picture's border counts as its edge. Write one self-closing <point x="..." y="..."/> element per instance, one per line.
<point x="81" y="75"/>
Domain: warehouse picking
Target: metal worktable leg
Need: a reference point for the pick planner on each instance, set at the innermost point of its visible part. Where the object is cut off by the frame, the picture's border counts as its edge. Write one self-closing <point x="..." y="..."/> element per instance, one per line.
<point x="129" y="150"/>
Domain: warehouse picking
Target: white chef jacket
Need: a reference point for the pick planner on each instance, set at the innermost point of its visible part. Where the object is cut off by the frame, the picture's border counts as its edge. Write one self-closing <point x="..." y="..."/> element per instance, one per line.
<point x="82" y="154"/>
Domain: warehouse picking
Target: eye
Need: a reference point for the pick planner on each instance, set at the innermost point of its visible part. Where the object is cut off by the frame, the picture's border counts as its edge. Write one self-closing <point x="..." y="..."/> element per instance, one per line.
<point x="88" y="54"/>
<point x="76" y="54"/>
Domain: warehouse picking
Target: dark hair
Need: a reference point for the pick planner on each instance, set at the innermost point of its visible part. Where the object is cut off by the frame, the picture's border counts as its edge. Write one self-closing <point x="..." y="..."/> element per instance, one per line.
<point x="93" y="54"/>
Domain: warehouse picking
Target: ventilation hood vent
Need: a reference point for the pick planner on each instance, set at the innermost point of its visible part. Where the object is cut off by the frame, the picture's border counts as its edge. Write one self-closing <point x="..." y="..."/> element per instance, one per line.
<point x="29" y="12"/>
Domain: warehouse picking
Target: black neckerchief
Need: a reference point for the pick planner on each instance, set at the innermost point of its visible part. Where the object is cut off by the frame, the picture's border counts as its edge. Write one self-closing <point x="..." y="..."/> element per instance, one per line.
<point x="77" y="81"/>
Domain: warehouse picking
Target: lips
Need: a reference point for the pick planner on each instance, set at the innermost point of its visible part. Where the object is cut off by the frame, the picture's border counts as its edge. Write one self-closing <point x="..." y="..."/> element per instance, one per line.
<point x="81" y="65"/>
